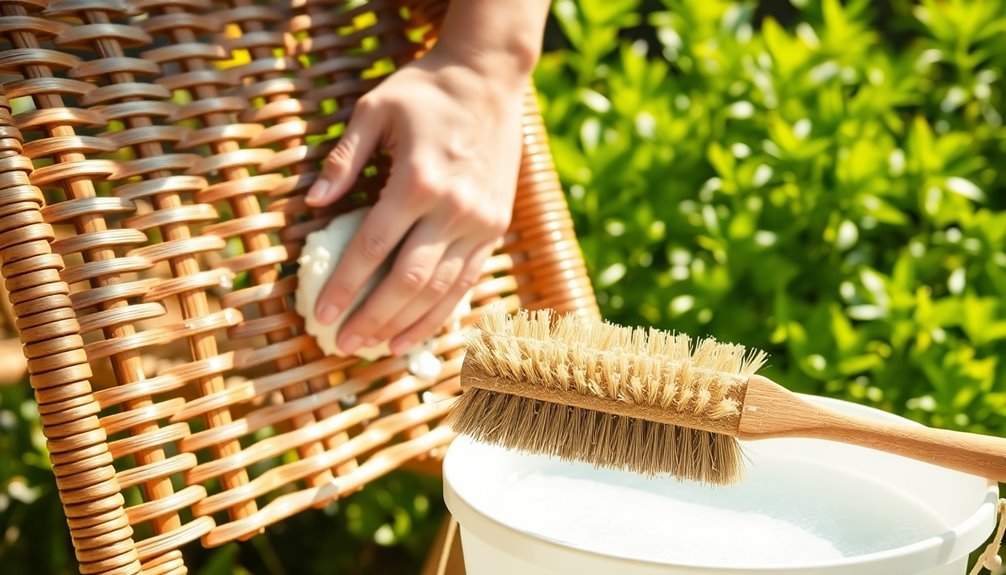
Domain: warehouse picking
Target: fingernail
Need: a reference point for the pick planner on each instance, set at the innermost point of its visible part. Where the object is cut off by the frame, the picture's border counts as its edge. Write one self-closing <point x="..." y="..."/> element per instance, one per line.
<point x="319" y="190"/>
<point x="328" y="313"/>
<point x="371" y="342"/>
<point x="350" y="343"/>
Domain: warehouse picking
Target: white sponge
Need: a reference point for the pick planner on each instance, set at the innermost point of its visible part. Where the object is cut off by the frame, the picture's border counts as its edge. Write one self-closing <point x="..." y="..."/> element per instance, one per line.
<point x="322" y="250"/>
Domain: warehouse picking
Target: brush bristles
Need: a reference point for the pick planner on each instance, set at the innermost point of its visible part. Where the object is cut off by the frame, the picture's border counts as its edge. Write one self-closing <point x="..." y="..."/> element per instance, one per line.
<point x="600" y="439"/>
<point x="646" y="370"/>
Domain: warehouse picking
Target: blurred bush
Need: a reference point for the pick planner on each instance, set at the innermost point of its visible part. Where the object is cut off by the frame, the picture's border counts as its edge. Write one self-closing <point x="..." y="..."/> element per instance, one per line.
<point x="821" y="180"/>
<point x="828" y="190"/>
<point x="817" y="179"/>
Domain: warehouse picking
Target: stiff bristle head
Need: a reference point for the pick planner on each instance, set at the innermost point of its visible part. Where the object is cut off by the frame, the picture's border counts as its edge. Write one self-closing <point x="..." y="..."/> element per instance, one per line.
<point x="629" y="371"/>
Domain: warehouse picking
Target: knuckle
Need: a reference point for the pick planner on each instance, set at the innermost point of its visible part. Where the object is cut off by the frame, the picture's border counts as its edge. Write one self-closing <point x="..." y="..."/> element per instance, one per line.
<point x="374" y="248"/>
<point x="465" y="284"/>
<point x="467" y="281"/>
<point x="364" y="105"/>
<point x="426" y="187"/>
<point x="424" y="177"/>
<point x="459" y="204"/>
<point x="496" y="223"/>
<point x="395" y="103"/>
<point x="503" y="224"/>
<point x="338" y="159"/>
<point x="413" y="279"/>
<point x="439" y="284"/>
<point x="483" y="220"/>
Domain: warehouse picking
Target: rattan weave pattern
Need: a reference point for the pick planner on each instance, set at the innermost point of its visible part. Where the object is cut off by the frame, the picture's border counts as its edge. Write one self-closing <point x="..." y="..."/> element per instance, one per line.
<point x="156" y="208"/>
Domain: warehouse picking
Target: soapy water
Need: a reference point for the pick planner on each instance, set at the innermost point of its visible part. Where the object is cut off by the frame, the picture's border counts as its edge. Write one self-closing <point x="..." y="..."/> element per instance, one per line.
<point x="423" y="364"/>
<point x="786" y="512"/>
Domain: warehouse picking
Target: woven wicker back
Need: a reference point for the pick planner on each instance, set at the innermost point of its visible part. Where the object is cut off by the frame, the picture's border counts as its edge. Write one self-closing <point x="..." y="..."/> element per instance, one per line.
<point x="152" y="181"/>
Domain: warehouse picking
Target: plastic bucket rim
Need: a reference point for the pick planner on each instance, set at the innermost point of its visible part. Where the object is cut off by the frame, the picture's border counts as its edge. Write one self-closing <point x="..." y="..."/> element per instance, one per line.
<point x="961" y="533"/>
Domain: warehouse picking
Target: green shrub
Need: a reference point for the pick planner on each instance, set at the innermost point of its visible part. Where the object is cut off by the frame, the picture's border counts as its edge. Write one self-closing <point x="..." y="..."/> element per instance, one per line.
<point x="827" y="190"/>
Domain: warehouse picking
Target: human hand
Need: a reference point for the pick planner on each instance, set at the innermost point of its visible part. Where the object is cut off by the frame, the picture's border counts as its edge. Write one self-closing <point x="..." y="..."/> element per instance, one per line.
<point x="453" y="134"/>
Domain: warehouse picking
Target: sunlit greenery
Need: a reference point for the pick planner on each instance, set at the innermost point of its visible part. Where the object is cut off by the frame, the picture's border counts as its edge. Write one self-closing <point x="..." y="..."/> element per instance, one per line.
<point x="828" y="190"/>
<point x="821" y="180"/>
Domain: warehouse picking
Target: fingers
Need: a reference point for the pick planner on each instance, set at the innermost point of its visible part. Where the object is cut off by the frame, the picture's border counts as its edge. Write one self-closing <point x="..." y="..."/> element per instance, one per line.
<point x="441" y="282"/>
<point x="420" y="258"/>
<point x="350" y="155"/>
<point x="437" y="315"/>
<point x="381" y="231"/>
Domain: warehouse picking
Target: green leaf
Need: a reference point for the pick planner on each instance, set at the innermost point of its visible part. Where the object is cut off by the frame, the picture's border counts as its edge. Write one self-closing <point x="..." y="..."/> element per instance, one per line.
<point x="223" y="562"/>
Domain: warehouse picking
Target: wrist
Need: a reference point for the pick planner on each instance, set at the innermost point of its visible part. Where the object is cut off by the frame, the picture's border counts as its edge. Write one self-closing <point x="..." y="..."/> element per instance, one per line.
<point x="507" y="60"/>
<point x="497" y="39"/>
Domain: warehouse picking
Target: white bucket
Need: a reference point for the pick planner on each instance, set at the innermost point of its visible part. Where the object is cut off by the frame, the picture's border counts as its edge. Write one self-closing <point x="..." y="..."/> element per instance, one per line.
<point x="804" y="507"/>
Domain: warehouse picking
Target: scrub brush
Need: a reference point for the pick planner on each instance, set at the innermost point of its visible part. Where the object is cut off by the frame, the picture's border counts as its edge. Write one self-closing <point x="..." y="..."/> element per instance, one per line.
<point x="654" y="402"/>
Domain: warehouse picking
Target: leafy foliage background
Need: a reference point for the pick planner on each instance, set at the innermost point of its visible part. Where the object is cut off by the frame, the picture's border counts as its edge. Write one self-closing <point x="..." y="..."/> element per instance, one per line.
<point x="819" y="179"/>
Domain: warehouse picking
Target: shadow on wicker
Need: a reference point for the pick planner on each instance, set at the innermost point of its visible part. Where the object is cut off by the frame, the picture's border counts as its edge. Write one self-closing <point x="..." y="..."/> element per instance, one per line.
<point x="154" y="155"/>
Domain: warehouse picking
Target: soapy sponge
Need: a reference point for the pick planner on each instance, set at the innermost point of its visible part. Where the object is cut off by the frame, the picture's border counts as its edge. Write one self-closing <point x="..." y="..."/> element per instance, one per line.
<point x="322" y="251"/>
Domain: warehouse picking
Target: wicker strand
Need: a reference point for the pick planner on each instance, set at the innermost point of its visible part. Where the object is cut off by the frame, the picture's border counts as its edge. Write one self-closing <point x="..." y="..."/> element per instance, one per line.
<point x="544" y="229"/>
<point x="274" y="80"/>
<point x="189" y="65"/>
<point x="163" y="188"/>
<point x="175" y="140"/>
<point x="58" y="370"/>
<point x="95" y="242"/>
<point x="229" y="125"/>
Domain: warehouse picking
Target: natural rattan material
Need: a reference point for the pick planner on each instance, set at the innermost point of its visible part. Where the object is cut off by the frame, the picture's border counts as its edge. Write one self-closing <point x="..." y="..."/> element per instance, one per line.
<point x="151" y="209"/>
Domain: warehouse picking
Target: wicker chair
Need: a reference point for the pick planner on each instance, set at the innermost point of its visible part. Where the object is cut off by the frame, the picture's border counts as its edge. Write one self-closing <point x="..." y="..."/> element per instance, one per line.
<point x="151" y="200"/>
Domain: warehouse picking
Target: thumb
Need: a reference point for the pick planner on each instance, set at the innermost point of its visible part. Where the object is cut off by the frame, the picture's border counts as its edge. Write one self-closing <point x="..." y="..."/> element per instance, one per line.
<point x="350" y="155"/>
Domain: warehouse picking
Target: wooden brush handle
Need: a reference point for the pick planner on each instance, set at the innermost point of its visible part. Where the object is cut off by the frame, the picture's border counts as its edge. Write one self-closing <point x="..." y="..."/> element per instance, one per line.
<point x="772" y="411"/>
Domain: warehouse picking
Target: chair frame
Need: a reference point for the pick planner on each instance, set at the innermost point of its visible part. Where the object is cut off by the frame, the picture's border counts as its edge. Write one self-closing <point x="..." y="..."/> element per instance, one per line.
<point x="152" y="186"/>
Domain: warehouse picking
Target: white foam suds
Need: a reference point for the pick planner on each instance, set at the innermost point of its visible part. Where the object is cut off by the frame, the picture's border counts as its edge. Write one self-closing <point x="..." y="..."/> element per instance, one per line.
<point x="785" y="512"/>
<point x="423" y="364"/>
